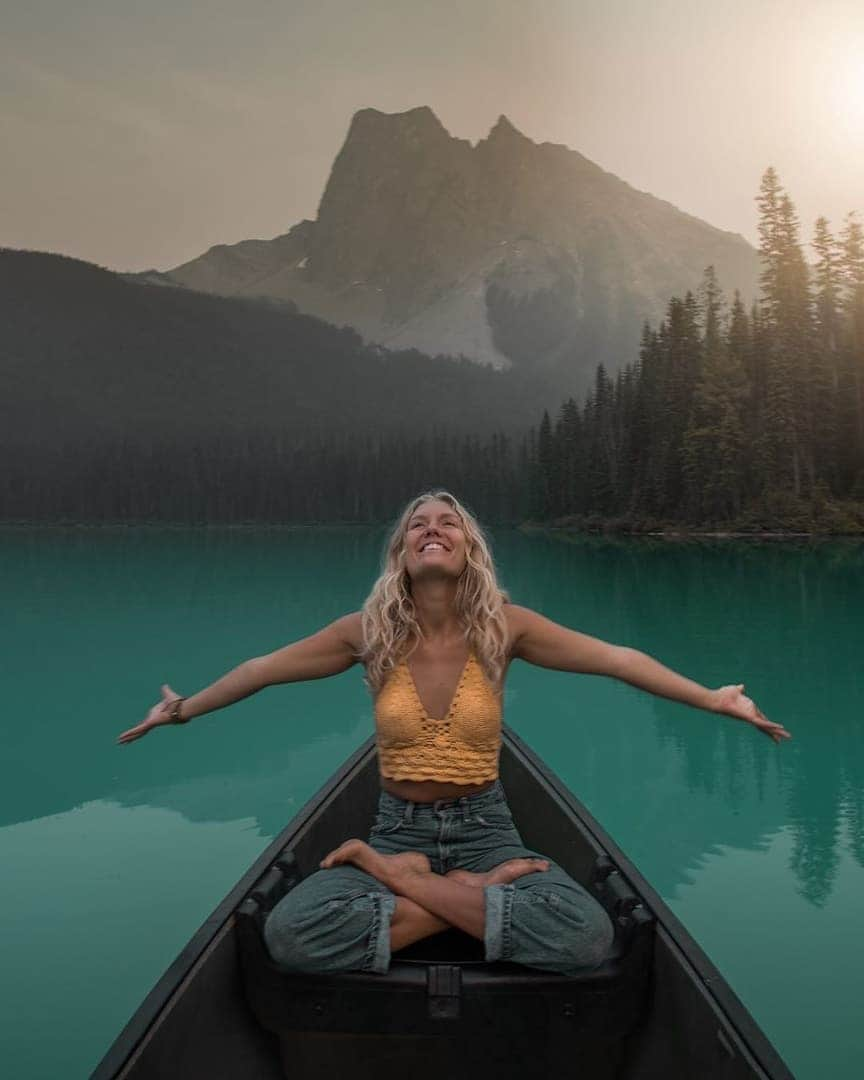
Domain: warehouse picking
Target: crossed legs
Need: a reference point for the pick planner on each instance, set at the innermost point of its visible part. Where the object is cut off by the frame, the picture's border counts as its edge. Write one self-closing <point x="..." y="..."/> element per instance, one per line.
<point x="365" y="904"/>
<point x="427" y="903"/>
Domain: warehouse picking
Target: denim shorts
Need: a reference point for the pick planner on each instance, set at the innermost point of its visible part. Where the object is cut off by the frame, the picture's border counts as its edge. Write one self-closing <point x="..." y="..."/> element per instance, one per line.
<point x="339" y="919"/>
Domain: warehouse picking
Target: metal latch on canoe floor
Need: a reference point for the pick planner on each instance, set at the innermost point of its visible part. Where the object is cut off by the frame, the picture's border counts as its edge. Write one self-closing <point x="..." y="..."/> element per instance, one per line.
<point x="443" y="991"/>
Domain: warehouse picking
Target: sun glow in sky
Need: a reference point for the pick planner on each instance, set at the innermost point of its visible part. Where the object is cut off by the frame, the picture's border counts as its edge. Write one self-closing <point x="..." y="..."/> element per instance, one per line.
<point x="848" y="94"/>
<point x="140" y="135"/>
<point x="826" y="64"/>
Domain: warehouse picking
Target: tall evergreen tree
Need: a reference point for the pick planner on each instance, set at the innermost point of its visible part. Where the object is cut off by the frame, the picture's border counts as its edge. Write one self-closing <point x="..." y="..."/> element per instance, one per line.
<point x="796" y="339"/>
<point x="640" y="449"/>
<point x="543" y="496"/>
<point x="715" y="438"/>
<point x="786" y="414"/>
<point x="827" y="279"/>
<point x="827" y="282"/>
<point x="768" y="204"/>
<point x="852" y="354"/>
<point x="570" y="456"/>
<point x="625" y="421"/>
<point x="601" y="450"/>
<point x="682" y="368"/>
<point x="742" y="344"/>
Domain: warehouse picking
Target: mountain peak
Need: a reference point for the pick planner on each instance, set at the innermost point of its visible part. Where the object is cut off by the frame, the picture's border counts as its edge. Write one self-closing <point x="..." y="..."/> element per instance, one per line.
<point x="504" y="129"/>
<point x="420" y="120"/>
<point x="505" y="250"/>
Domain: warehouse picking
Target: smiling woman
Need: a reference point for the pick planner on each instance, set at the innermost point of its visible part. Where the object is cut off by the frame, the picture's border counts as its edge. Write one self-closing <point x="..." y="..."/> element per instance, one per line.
<point x="436" y="636"/>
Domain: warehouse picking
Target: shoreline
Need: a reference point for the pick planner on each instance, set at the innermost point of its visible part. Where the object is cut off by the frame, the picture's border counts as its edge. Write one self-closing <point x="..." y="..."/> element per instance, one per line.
<point x="674" y="532"/>
<point x="678" y="533"/>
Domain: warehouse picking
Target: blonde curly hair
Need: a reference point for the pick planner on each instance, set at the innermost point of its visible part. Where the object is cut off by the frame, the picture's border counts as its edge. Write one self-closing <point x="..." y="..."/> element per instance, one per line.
<point x="391" y="631"/>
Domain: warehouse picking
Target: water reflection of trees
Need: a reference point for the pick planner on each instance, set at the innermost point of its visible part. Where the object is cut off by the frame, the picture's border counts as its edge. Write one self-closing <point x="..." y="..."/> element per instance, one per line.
<point x="782" y="617"/>
<point x="109" y="614"/>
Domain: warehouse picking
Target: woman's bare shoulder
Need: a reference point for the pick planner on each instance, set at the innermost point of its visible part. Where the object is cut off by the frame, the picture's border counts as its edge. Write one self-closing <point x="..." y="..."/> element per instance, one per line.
<point x="350" y="628"/>
<point x="518" y="620"/>
<point x="517" y="615"/>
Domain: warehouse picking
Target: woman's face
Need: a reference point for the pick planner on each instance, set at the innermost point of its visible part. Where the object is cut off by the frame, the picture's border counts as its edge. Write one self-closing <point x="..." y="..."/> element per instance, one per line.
<point x="435" y="544"/>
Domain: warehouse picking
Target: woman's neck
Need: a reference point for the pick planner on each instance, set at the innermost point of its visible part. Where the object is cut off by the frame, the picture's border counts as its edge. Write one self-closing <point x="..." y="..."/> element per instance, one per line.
<point x="435" y="604"/>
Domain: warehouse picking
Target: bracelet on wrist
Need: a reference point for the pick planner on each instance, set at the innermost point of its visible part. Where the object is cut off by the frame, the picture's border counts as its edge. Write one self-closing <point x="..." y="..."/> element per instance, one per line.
<point x="174" y="714"/>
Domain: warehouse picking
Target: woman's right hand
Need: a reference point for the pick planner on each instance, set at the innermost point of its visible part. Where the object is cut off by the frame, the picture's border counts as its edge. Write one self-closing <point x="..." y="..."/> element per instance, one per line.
<point x="157" y="716"/>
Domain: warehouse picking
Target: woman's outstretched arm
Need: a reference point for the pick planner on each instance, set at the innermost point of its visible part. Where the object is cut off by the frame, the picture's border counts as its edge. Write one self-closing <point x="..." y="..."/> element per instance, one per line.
<point x="540" y="641"/>
<point x="329" y="652"/>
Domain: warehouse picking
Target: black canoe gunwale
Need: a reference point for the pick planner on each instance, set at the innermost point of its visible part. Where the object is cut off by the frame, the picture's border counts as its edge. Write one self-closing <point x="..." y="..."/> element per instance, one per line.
<point x="156" y="1000"/>
<point x="687" y="951"/>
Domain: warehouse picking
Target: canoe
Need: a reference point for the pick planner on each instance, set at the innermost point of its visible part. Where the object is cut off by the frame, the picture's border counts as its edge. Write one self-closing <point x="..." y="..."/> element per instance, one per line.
<point x="657" y="1007"/>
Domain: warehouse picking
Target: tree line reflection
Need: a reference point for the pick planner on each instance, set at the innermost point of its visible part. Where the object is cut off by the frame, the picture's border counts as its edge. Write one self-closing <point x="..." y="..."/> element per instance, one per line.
<point x="785" y="619"/>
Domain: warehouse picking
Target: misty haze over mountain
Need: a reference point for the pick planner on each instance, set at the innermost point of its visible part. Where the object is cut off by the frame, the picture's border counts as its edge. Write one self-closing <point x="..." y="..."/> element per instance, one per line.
<point x="509" y="253"/>
<point x="488" y="282"/>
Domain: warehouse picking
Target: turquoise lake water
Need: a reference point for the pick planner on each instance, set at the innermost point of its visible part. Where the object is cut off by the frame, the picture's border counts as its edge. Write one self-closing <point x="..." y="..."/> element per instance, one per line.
<point x="112" y="856"/>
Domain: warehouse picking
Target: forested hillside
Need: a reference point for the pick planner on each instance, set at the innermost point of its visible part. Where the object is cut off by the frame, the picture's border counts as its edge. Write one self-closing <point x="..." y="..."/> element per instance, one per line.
<point x="730" y="417"/>
<point x="127" y="403"/>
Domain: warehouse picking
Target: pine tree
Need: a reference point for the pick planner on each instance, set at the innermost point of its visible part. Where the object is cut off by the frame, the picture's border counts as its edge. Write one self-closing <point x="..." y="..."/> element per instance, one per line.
<point x="630" y="423"/>
<point x="715" y="439"/>
<point x="785" y="441"/>
<point x="682" y="366"/>
<point x="543" y="502"/>
<point x="827" y="280"/>
<point x="768" y="204"/>
<point x="625" y="416"/>
<point x="744" y="350"/>
<point x="569" y="438"/>
<point x="852" y="356"/>
<point x="796" y="339"/>
<point x="712" y="304"/>
<point x="650" y="437"/>
<point x="601" y="450"/>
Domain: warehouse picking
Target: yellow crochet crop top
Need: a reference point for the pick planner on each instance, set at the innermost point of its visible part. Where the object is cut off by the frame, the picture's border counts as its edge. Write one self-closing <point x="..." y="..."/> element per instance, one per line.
<point x="462" y="748"/>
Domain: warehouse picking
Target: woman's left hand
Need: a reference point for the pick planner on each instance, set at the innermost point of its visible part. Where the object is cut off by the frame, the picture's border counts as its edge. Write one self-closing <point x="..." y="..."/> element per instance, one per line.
<point x="732" y="701"/>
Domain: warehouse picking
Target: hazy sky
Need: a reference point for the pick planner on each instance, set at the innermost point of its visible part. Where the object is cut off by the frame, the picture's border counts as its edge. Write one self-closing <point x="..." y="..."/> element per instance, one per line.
<point x="140" y="134"/>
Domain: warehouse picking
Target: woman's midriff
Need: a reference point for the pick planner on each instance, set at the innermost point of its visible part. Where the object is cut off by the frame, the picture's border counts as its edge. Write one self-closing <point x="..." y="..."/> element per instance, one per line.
<point x="429" y="791"/>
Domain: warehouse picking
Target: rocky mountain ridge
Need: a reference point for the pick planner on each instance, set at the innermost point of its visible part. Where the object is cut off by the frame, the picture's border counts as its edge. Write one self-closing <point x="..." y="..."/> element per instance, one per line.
<point x="506" y="252"/>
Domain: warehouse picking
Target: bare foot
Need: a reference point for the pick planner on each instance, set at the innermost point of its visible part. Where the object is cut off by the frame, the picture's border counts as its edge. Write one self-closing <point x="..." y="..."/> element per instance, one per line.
<point x="499" y="875"/>
<point x="384" y="868"/>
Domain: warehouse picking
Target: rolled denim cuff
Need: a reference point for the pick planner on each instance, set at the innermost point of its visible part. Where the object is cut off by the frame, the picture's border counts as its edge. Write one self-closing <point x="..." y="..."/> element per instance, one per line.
<point x="377" y="958"/>
<point x="499" y="909"/>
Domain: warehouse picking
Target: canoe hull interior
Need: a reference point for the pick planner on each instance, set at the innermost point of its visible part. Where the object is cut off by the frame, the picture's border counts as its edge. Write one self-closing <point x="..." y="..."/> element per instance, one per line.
<point x="682" y="1021"/>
